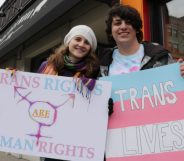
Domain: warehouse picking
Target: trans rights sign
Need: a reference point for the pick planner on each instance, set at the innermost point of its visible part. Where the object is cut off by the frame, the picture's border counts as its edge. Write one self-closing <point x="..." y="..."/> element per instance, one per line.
<point x="46" y="116"/>
<point x="148" y="119"/>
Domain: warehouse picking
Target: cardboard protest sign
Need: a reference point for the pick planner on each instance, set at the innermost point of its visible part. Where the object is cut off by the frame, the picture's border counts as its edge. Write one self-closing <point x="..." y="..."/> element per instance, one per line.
<point x="46" y="116"/>
<point x="148" y="119"/>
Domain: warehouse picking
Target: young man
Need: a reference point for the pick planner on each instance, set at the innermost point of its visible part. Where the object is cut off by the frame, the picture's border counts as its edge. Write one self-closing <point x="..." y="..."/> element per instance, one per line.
<point x="124" y="26"/>
<point x="131" y="54"/>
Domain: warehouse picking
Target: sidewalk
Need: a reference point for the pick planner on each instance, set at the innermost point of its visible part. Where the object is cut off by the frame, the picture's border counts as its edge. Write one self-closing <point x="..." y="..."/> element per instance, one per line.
<point x="16" y="157"/>
<point x="9" y="157"/>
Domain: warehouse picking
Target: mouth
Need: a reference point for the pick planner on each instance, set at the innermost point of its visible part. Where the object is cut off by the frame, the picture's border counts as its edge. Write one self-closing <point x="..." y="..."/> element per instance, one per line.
<point x="81" y="50"/>
<point x="123" y="34"/>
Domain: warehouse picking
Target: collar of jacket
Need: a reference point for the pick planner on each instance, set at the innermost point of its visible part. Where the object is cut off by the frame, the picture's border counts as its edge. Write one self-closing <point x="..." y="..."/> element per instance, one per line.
<point x="153" y="49"/>
<point x="150" y="50"/>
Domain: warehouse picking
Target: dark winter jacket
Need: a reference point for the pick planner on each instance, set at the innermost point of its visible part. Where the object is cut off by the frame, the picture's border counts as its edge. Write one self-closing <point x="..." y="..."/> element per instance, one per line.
<point x="154" y="56"/>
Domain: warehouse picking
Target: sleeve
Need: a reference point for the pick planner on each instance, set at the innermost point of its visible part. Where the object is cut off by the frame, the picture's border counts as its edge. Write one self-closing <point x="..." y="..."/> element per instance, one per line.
<point x="42" y="67"/>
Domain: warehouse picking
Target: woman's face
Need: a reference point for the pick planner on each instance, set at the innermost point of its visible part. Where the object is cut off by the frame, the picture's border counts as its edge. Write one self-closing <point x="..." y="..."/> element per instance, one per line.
<point x="79" y="47"/>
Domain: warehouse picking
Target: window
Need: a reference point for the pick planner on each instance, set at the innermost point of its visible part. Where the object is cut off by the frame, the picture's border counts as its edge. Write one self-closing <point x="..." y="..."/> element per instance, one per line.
<point x="173" y="25"/>
<point x="182" y="34"/>
<point x="169" y="31"/>
<point x="174" y="32"/>
<point x="175" y="46"/>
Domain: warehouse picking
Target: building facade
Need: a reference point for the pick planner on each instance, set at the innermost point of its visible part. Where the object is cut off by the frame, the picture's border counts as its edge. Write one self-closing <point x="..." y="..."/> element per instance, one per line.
<point x="30" y="31"/>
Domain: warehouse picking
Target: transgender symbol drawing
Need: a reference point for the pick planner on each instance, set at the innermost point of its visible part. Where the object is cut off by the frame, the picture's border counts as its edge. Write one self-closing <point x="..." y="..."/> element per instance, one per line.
<point x="43" y="113"/>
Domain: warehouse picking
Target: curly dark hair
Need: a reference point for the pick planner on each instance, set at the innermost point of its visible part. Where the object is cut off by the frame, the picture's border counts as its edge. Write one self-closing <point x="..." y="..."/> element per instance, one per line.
<point x="128" y="14"/>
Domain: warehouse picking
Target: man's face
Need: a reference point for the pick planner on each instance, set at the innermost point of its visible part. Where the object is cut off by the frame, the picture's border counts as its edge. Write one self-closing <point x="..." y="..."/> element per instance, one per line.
<point x="122" y="31"/>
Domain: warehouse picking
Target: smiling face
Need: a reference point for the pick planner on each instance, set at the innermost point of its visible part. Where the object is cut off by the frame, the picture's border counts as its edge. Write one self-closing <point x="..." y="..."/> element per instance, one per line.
<point x="122" y="31"/>
<point x="79" y="47"/>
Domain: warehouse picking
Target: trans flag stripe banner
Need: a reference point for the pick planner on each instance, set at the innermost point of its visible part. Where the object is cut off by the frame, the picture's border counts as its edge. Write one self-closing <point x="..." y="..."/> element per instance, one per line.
<point x="148" y="119"/>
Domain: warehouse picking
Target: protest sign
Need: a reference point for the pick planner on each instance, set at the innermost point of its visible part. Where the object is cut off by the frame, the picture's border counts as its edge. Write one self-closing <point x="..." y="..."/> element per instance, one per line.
<point x="47" y="116"/>
<point x="148" y="119"/>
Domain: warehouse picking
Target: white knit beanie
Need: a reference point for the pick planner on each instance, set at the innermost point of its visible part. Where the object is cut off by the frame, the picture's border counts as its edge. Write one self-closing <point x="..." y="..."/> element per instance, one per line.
<point x="82" y="30"/>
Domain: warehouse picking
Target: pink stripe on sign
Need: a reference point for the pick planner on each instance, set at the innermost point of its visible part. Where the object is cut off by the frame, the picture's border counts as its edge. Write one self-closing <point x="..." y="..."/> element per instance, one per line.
<point x="148" y="115"/>
<point x="174" y="156"/>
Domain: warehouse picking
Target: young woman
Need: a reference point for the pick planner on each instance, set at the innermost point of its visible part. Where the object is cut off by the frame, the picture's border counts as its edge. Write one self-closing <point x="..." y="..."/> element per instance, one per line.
<point x="75" y="58"/>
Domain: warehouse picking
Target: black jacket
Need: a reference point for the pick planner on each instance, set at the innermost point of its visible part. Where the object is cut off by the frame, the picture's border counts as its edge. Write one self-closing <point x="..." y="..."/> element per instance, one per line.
<point x="154" y="55"/>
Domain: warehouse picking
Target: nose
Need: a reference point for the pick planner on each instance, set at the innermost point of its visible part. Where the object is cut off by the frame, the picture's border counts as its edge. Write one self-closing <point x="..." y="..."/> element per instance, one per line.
<point x="123" y="24"/>
<point x="81" y="43"/>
